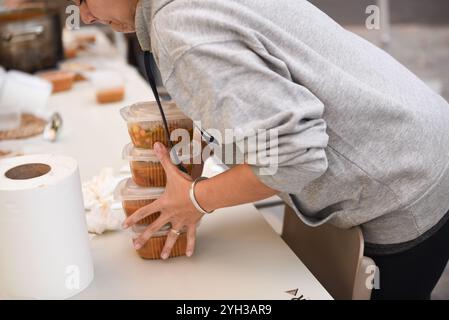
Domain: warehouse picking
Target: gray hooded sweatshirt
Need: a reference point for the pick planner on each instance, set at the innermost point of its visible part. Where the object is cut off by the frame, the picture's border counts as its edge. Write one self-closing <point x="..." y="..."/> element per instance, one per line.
<point x="362" y="141"/>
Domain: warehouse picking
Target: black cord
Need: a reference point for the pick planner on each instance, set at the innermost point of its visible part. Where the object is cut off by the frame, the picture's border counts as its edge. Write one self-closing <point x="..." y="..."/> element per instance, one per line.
<point x="152" y="81"/>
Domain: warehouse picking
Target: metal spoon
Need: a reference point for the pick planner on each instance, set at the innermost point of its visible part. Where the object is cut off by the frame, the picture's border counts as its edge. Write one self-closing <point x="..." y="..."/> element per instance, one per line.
<point x="53" y="128"/>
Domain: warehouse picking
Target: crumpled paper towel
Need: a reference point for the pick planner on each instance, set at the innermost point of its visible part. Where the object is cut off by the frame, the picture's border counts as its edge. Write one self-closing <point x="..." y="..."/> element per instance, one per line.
<point x="102" y="214"/>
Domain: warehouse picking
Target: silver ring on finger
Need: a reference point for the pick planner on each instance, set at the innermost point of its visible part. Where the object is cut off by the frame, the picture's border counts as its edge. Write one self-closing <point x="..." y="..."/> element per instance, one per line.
<point x="178" y="233"/>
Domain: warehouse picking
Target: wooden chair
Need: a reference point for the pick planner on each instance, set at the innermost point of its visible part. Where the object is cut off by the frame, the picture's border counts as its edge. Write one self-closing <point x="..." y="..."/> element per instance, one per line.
<point x="333" y="255"/>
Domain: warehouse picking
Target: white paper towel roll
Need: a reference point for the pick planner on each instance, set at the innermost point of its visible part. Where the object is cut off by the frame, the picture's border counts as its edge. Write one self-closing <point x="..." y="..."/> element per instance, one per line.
<point x="44" y="246"/>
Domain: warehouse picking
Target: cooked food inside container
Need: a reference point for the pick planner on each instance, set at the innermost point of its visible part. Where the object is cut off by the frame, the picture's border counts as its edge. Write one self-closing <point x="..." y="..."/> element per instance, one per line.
<point x="70" y="52"/>
<point x="78" y="68"/>
<point x="153" y="248"/>
<point x="146" y="169"/>
<point x="61" y="80"/>
<point x="145" y="124"/>
<point x="110" y="95"/>
<point x="134" y="198"/>
<point x="131" y="206"/>
<point x="148" y="174"/>
<point x="83" y="40"/>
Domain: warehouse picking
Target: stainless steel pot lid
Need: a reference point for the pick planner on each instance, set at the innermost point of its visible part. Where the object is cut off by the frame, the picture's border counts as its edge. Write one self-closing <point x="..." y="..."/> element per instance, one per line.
<point x="13" y="15"/>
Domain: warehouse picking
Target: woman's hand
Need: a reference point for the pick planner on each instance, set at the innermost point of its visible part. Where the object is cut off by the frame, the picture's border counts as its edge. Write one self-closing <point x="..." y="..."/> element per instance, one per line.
<point x="174" y="205"/>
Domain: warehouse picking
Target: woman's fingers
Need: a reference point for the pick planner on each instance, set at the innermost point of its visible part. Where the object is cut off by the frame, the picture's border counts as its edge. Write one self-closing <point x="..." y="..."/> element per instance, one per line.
<point x="172" y="237"/>
<point x="148" y="233"/>
<point x="191" y="238"/>
<point x="146" y="211"/>
<point x="163" y="155"/>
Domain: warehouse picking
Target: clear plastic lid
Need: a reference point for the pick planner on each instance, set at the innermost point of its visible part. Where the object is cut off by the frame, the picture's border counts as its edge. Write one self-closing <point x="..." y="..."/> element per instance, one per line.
<point x="132" y="153"/>
<point x="56" y="75"/>
<point x="149" y="111"/>
<point x="127" y="190"/>
<point x="136" y="230"/>
<point x="102" y="79"/>
<point x="76" y="67"/>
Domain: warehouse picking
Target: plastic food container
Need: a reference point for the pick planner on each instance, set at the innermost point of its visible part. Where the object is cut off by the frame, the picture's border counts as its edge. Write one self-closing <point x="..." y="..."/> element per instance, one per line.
<point x="146" y="169"/>
<point x="134" y="197"/>
<point x="145" y="124"/>
<point x="153" y="248"/>
<point x="110" y="95"/>
<point x="78" y="68"/>
<point x="109" y="86"/>
<point x="61" y="80"/>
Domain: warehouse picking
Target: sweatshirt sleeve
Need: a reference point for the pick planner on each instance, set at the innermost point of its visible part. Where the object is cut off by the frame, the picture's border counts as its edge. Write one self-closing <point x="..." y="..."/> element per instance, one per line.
<point x="225" y="85"/>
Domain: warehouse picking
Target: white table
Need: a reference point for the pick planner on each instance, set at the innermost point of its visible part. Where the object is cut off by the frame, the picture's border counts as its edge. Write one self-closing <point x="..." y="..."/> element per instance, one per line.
<point x="238" y="255"/>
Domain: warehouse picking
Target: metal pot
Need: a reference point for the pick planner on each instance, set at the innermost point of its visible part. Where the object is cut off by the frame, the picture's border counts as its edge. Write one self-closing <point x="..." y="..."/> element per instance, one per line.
<point x="30" y="39"/>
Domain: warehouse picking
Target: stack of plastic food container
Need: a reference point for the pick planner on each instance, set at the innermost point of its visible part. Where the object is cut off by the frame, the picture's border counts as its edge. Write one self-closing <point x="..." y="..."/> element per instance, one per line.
<point x="148" y="180"/>
<point x="146" y="169"/>
<point x="145" y="124"/>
